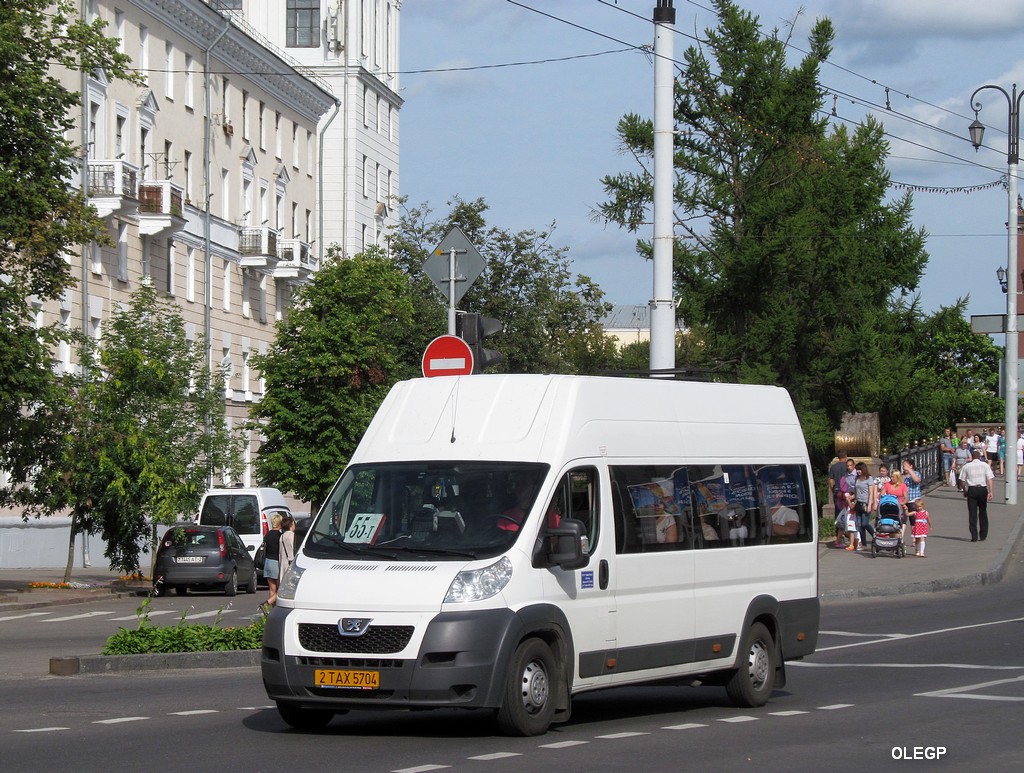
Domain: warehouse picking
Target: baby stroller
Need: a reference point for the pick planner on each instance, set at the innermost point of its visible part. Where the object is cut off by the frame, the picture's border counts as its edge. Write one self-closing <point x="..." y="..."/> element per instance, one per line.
<point x="888" y="528"/>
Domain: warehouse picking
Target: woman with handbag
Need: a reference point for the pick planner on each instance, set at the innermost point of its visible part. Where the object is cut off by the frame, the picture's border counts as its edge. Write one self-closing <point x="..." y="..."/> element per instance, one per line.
<point x="271" y="562"/>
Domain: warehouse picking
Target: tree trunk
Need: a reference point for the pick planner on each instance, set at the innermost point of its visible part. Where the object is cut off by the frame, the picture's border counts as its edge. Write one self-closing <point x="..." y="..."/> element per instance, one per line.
<point x="71" y="547"/>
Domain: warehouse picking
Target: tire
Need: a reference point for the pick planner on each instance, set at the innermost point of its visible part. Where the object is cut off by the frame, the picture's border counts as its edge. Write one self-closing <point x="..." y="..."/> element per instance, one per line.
<point x="874" y="550"/>
<point x="181" y="590"/>
<point x="900" y="551"/>
<point x="304" y="719"/>
<point x="231" y="586"/>
<point x="528" y="703"/>
<point x="751" y="685"/>
<point x="250" y="586"/>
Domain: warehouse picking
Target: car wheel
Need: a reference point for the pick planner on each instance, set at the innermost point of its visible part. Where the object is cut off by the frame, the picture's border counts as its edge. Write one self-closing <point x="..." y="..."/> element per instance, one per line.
<point x="250" y="587"/>
<point x="231" y="586"/>
<point x="528" y="704"/>
<point x="181" y="590"/>
<point x="751" y="684"/>
<point x="304" y="719"/>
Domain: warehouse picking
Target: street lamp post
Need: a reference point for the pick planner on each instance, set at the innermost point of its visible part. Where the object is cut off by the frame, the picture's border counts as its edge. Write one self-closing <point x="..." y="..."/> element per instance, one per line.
<point x="977" y="131"/>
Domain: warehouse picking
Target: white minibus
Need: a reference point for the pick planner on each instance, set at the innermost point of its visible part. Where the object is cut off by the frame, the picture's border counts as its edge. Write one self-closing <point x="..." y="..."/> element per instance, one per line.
<point x="507" y="542"/>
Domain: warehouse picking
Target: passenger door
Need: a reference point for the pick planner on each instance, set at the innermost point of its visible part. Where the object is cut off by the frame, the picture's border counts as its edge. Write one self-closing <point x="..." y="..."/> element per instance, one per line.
<point x="586" y="596"/>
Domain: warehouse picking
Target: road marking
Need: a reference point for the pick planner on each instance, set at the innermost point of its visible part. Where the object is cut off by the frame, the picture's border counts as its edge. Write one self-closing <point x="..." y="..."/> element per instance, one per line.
<point x="22" y="617"/>
<point x="900" y="637"/>
<point x="616" y="736"/>
<point x="964" y="666"/>
<point x="835" y="706"/>
<point x="957" y="692"/>
<point x="495" y="756"/>
<point x="562" y="744"/>
<point x="742" y="718"/>
<point x="687" y="726"/>
<point x="786" y="713"/>
<point x="42" y="729"/>
<point x="118" y="720"/>
<point x="192" y="713"/>
<point x="861" y="635"/>
<point x="421" y="769"/>
<point x="74" y="617"/>
<point x="211" y="613"/>
<point x="148" y="614"/>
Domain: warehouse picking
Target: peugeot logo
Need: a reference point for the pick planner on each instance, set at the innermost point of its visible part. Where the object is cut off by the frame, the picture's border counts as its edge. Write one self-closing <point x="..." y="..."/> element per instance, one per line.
<point x="353" y="626"/>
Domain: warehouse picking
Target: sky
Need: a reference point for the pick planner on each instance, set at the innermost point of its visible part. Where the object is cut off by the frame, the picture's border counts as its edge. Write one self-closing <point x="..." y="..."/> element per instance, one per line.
<point x="517" y="102"/>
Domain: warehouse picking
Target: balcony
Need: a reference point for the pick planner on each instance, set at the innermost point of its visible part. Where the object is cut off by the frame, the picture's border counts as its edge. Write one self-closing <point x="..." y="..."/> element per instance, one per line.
<point x="113" y="187"/>
<point x="160" y="207"/>
<point x="296" y="261"/>
<point x="257" y="246"/>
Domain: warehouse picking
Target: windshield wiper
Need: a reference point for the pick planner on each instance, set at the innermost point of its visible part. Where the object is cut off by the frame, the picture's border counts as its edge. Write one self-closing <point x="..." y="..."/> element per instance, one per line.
<point x="438" y="551"/>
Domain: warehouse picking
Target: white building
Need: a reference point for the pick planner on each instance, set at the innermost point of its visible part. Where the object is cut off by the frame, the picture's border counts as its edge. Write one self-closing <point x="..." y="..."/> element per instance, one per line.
<point x="353" y="45"/>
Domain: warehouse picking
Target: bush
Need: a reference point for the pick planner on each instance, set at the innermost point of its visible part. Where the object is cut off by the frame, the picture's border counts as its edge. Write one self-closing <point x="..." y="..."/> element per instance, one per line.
<point x="183" y="637"/>
<point x="826" y="529"/>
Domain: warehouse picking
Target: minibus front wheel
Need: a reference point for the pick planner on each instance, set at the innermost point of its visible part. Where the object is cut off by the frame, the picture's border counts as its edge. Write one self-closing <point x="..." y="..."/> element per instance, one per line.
<point x="751" y="684"/>
<point x="528" y="703"/>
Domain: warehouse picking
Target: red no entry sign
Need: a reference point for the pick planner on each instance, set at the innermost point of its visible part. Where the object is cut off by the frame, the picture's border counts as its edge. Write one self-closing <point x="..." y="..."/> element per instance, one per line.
<point x="447" y="356"/>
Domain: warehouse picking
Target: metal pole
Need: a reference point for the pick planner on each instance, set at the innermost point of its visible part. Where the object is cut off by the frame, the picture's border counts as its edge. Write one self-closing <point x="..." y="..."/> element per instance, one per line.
<point x="1011" y="358"/>
<point x="451" y="291"/>
<point x="663" y="308"/>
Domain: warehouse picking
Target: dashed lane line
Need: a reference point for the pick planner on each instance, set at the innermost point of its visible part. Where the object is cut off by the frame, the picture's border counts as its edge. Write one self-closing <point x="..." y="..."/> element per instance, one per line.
<point x="42" y="729"/>
<point x="22" y="617"/>
<point x="118" y="720"/>
<point x="82" y="616"/>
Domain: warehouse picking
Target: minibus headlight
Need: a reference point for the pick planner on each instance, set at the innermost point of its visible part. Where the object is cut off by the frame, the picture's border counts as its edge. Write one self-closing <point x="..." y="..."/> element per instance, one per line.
<point x="290" y="581"/>
<point x="479" y="584"/>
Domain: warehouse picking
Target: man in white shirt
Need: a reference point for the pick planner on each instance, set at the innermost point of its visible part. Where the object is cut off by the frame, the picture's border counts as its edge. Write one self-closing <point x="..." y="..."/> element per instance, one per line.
<point x="977" y="477"/>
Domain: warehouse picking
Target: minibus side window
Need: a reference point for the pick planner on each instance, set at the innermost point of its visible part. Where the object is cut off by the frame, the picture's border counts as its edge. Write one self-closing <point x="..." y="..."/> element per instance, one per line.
<point x="651" y="505"/>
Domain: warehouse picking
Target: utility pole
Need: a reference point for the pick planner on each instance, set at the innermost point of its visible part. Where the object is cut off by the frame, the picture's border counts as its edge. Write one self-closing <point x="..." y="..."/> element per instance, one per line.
<point x="663" y="308"/>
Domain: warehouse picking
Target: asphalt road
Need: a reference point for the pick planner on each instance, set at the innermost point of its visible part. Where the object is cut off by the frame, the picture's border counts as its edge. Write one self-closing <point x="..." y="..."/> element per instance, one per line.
<point x="938" y="675"/>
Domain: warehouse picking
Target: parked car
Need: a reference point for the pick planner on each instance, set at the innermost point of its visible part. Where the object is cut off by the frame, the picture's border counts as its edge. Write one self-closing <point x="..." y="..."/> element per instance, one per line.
<point x="203" y="557"/>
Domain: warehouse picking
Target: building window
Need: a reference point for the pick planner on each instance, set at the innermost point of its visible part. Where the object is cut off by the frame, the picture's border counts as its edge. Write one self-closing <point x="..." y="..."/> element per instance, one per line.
<point x="225" y="195"/>
<point x="144" y="52"/>
<point x="168" y="159"/>
<point x="187" y="171"/>
<point x="246" y="293"/>
<point x="277" y="136"/>
<point x="262" y="127"/>
<point x="96" y="257"/>
<point x="190" y="276"/>
<point x="190" y="66"/>
<point x="119" y="30"/>
<point x="122" y="252"/>
<point x="169" y="70"/>
<point x="310" y="148"/>
<point x="227" y="285"/>
<point x="171" y="268"/>
<point x="366" y="180"/>
<point x="302" y="24"/>
<point x="295" y="146"/>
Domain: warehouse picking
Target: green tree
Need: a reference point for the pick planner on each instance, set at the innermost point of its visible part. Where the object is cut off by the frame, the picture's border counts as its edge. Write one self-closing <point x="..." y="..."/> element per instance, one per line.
<point x="42" y="218"/>
<point x="352" y="333"/>
<point x="132" y="449"/>
<point x="789" y="258"/>
<point x="551" y="318"/>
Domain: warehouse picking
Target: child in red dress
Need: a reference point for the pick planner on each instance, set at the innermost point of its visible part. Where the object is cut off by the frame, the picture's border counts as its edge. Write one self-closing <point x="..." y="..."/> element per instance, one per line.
<point x="920" y="530"/>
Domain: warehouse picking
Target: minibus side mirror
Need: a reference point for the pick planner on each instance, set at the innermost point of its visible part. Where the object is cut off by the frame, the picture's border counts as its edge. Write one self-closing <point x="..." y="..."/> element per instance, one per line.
<point x="567" y="540"/>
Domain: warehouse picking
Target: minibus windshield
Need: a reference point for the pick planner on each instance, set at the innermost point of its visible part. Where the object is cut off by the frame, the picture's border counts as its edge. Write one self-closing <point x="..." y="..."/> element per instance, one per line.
<point x="408" y="511"/>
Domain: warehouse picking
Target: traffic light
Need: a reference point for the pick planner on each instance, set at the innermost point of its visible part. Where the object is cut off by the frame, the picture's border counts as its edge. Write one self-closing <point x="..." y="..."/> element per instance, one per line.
<point x="473" y="328"/>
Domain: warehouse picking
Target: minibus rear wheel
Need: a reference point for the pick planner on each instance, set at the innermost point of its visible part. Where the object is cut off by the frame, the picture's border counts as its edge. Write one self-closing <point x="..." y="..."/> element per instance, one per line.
<point x="751" y="684"/>
<point x="528" y="704"/>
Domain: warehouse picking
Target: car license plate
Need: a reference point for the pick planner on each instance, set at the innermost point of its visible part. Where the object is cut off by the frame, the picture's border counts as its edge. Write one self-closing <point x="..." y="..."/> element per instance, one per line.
<point x="360" y="680"/>
<point x="188" y="559"/>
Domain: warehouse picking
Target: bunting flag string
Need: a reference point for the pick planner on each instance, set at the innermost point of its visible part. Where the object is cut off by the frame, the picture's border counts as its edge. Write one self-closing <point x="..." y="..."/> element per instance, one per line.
<point x="1001" y="182"/>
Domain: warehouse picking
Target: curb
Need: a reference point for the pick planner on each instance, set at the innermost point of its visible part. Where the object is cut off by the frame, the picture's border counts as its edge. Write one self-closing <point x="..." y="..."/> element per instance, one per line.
<point x="79" y="598"/>
<point x="106" y="664"/>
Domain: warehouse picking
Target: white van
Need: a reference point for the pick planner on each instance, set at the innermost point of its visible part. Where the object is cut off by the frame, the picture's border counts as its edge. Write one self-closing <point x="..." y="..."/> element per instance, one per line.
<point x="506" y="542"/>
<point x="248" y="510"/>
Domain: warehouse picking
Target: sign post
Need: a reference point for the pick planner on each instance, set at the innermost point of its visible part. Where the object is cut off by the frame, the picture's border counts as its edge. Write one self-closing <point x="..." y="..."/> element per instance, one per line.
<point x="453" y="266"/>
<point x="447" y="355"/>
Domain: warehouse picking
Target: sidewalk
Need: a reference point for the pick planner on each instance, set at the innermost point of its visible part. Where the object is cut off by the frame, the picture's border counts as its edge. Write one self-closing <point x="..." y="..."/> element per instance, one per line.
<point x="953" y="561"/>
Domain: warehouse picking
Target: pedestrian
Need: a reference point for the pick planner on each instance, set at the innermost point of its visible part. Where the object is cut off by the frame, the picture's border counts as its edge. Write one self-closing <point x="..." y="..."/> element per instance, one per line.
<point x="992" y="448"/>
<point x="1020" y="454"/>
<point x="912" y="479"/>
<point x="922" y="522"/>
<point x="862" y="505"/>
<point x="962" y="456"/>
<point x="836" y="472"/>
<point x="898" y="489"/>
<point x="1002" y="454"/>
<point x="287" y="550"/>
<point x="948" y="446"/>
<point x="272" y="561"/>
<point x="977" y="477"/>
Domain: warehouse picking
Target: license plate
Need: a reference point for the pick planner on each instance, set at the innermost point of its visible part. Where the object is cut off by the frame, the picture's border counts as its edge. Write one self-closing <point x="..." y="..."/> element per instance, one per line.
<point x="360" y="680"/>
<point x="188" y="559"/>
